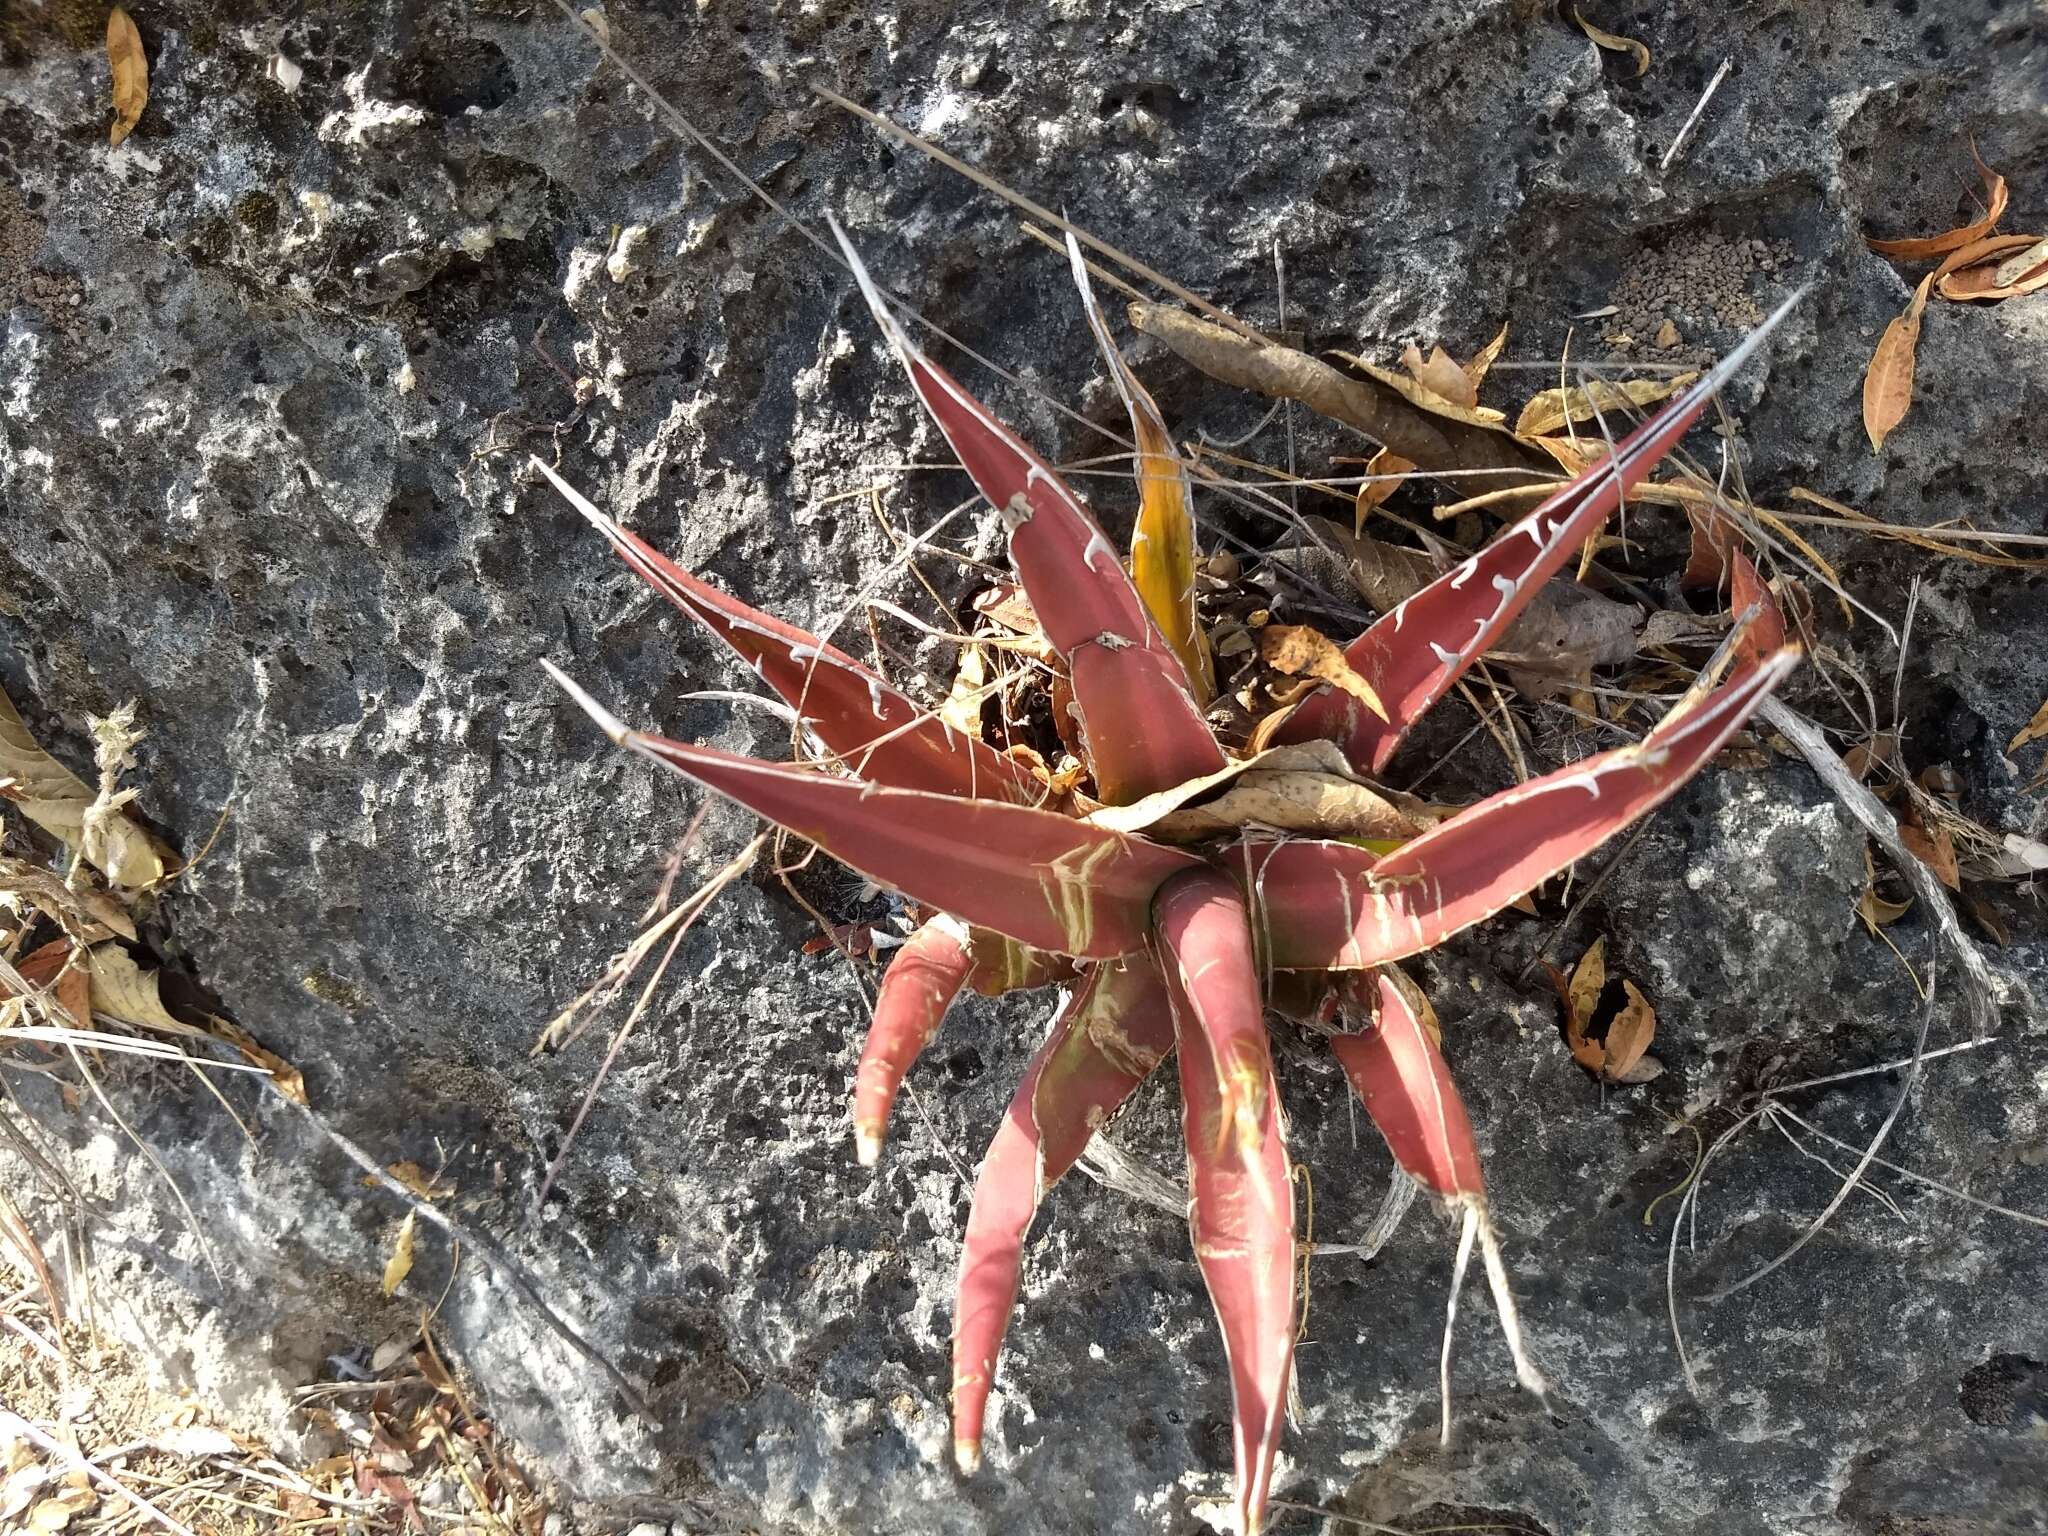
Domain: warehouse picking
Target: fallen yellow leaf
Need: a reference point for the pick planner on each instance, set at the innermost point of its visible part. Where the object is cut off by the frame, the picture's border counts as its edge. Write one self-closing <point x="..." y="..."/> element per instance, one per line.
<point x="1553" y="408"/>
<point x="1888" y="382"/>
<point x="1440" y="375"/>
<point x="123" y="989"/>
<point x="56" y="799"/>
<point x="2033" y="730"/>
<point x="131" y="73"/>
<point x="1482" y="361"/>
<point x="399" y="1265"/>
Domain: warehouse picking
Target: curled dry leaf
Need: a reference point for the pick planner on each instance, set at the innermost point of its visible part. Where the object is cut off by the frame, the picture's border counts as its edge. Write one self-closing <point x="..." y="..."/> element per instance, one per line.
<point x="1440" y="375"/>
<point x="56" y="799"/>
<point x="1888" y="382"/>
<point x="1620" y="1055"/>
<point x="1614" y="42"/>
<point x="1937" y="245"/>
<point x="1300" y="651"/>
<point x="1875" y="910"/>
<point x="284" y="1077"/>
<point x="131" y="73"/>
<point x="1373" y="491"/>
<point x="399" y="1265"/>
<point x="1935" y="847"/>
<point x="2000" y="268"/>
<point x="1551" y="410"/>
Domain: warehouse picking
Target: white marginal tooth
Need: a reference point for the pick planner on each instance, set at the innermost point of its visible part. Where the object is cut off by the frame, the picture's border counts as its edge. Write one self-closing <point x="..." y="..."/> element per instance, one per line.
<point x="607" y="722"/>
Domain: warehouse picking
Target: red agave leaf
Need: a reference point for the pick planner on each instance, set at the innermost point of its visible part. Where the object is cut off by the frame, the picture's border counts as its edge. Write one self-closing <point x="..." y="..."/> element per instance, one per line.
<point x="1104" y="1042"/>
<point x="1242" y="1212"/>
<point x="1334" y="906"/>
<point x="1400" y="1076"/>
<point x="1144" y="730"/>
<point x="879" y="733"/>
<point x="917" y="989"/>
<point x="1044" y="880"/>
<point x="1415" y="652"/>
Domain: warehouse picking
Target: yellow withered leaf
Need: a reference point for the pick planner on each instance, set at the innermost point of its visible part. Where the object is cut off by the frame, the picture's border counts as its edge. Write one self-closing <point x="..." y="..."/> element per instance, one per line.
<point x="1937" y="245"/>
<point x="1553" y="409"/>
<point x="1440" y="375"/>
<point x="1589" y="976"/>
<point x="284" y="1077"/>
<point x="1888" y="382"/>
<point x="2033" y="730"/>
<point x="399" y="1265"/>
<point x="131" y="73"/>
<point x="56" y="799"/>
<point x="1482" y="361"/>
<point x="122" y="989"/>
<point x="1163" y="542"/>
<point x="1614" y="42"/>
<point x="962" y="709"/>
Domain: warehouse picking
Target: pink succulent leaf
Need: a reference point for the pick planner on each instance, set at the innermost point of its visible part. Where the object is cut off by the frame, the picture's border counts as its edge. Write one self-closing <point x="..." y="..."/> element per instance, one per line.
<point x="922" y="980"/>
<point x="882" y="735"/>
<point x="1042" y="879"/>
<point x="1400" y="1076"/>
<point x="1334" y="906"/>
<point x="1416" y="651"/>
<point x="1241" y="1216"/>
<point x="1143" y="728"/>
<point x="1104" y="1042"/>
<point x="1747" y="590"/>
<point x="1003" y="965"/>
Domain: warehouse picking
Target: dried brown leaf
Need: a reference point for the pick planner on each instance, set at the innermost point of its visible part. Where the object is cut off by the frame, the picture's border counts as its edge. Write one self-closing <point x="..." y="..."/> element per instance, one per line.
<point x="52" y="966"/>
<point x="56" y="799"/>
<point x="1629" y="1036"/>
<point x="1936" y="848"/>
<point x="1300" y="651"/>
<point x="1589" y="977"/>
<point x="1888" y="382"/>
<point x="1372" y="492"/>
<point x="2033" y="730"/>
<point x="2023" y="271"/>
<point x="285" y="1077"/>
<point x="1936" y="245"/>
<point x="131" y="73"/>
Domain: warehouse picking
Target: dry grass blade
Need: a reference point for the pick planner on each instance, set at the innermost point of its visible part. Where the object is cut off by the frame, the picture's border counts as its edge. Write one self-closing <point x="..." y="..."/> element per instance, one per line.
<point x="1614" y="42"/>
<point x="1950" y="542"/>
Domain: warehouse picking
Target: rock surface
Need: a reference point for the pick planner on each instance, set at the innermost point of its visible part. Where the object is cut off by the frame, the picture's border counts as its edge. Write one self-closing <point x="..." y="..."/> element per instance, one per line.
<point x="270" y="373"/>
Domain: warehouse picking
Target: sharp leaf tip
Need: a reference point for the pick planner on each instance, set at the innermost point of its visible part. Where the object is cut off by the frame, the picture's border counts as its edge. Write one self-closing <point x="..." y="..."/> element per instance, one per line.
<point x="609" y="723"/>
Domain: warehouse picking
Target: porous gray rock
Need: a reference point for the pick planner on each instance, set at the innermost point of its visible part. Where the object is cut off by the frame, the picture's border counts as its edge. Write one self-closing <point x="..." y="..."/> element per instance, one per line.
<point x="269" y="376"/>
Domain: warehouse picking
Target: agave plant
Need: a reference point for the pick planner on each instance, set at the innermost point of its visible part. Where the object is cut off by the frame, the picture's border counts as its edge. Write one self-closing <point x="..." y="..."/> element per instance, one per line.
<point x="1191" y="889"/>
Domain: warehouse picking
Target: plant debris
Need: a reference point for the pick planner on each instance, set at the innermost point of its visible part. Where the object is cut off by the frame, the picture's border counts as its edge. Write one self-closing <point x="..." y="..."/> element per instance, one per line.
<point x="94" y="824"/>
<point x="1619" y="1053"/>
<point x="1888" y="382"/>
<point x="1614" y="42"/>
<point x="131" y="73"/>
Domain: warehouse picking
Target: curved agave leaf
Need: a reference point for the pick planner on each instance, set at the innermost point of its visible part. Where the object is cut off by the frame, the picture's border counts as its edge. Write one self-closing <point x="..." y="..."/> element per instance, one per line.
<point x="1044" y="880"/>
<point x="1143" y="728"/>
<point x="922" y="980"/>
<point x="1415" y="652"/>
<point x="1400" y="1076"/>
<point x="1241" y="1215"/>
<point x="1163" y="543"/>
<point x="881" y="735"/>
<point x="1104" y="1042"/>
<point x="1335" y="906"/>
